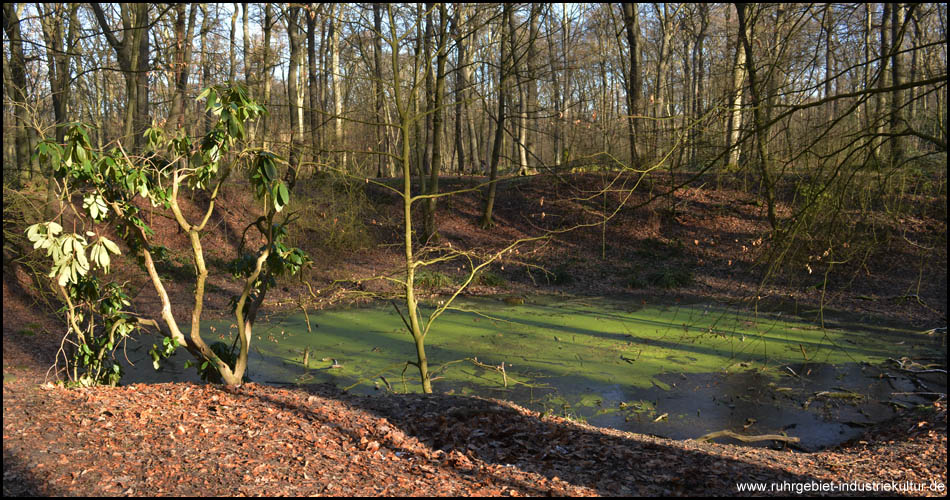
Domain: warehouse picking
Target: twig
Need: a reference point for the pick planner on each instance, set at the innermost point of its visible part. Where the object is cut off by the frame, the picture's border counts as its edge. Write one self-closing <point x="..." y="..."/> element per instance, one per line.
<point x="393" y="302"/>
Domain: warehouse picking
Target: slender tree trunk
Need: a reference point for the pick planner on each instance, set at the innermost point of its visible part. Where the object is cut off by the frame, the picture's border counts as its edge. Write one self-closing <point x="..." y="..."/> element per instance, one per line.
<point x="17" y="93"/>
<point x="699" y="74"/>
<point x="292" y="15"/>
<point x="313" y="82"/>
<point x="142" y="116"/>
<point x="503" y="63"/>
<point x="758" y="114"/>
<point x="232" y="46"/>
<point x="245" y="27"/>
<point x="183" y="47"/>
<point x="828" y="24"/>
<point x="337" y="87"/>
<point x="521" y="138"/>
<point x="897" y="78"/>
<point x="661" y="109"/>
<point x="383" y="165"/>
<point x="914" y="67"/>
<point x="531" y="84"/>
<point x="867" y="63"/>
<point x="323" y="86"/>
<point x="456" y="28"/>
<point x="883" y="81"/>
<point x="204" y="123"/>
<point x="132" y="55"/>
<point x="59" y="60"/>
<point x="632" y="26"/>
<point x="735" y="113"/>
<point x="266" y="66"/>
<point x="430" y="231"/>
<point x="475" y="154"/>
<point x="249" y="80"/>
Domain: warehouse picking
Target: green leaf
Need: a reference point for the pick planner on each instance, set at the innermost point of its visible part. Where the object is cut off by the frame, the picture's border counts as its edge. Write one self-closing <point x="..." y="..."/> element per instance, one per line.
<point x="269" y="171"/>
<point x="284" y="194"/>
<point x="212" y="100"/>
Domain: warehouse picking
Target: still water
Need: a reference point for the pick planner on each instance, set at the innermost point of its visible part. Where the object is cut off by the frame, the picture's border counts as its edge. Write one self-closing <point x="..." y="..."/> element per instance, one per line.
<point x="673" y="370"/>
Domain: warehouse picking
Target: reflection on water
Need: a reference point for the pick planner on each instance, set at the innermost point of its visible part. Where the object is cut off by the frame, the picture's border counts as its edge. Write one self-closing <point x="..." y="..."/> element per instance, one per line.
<point x="613" y="363"/>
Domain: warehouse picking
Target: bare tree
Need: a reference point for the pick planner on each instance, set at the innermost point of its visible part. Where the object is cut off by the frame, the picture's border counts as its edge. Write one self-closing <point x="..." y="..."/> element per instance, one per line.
<point x="132" y="54"/>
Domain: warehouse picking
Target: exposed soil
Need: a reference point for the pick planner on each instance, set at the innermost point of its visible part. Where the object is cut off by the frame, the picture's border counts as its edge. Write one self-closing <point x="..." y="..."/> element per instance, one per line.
<point x="185" y="439"/>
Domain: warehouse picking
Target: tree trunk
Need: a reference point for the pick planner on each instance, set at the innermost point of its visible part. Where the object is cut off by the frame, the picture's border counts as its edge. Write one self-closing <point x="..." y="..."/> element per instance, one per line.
<point x="632" y="26"/>
<point x="232" y="45"/>
<point x="292" y="15"/>
<point x="183" y="47"/>
<point x="758" y="114"/>
<point x="58" y="62"/>
<point x="474" y="152"/>
<point x="132" y="55"/>
<point x="337" y="87"/>
<point x="17" y="93"/>
<point x="522" y="110"/>
<point x="429" y="230"/>
<point x="503" y="62"/>
<point x="456" y="28"/>
<point x="531" y="107"/>
<point x="383" y="164"/>
<point x="204" y="123"/>
<point x="734" y="124"/>
<point x="897" y="78"/>
<point x="265" y="68"/>
<point x="313" y="82"/>
<point x="661" y="109"/>
<point x="882" y="82"/>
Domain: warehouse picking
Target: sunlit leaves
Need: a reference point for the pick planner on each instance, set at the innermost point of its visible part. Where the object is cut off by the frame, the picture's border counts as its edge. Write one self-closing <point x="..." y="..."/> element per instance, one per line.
<point x="44" y="234"/>
<point x="68" y="251"/>
<point x="99" y="252"/>
<point x="96" y="206"/>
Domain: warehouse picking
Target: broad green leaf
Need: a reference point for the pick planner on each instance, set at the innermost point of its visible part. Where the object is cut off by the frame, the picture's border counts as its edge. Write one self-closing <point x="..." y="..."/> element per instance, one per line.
<point x="212" y="100"/>
<point x="269" y="170"/>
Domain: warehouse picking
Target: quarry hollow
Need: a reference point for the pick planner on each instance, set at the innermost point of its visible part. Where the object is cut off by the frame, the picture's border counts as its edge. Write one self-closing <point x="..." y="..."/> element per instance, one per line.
<point x="674" y="370"/>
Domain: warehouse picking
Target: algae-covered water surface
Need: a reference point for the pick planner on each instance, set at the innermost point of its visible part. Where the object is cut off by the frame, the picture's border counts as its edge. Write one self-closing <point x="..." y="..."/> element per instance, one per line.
<point x="675" y="370"/>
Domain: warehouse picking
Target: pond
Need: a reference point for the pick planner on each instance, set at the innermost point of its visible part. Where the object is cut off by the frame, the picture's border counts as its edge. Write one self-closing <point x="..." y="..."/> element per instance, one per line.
<point x="672" y="370"/>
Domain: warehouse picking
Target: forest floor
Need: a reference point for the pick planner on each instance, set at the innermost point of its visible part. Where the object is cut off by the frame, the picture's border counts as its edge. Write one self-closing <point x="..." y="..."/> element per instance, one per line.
<point x="187" y="439"/>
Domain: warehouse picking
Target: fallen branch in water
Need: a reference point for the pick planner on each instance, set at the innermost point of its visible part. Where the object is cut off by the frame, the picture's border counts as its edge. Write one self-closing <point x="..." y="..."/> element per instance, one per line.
<point x="937" y="395"/>
<point x="900" y="365"/>
<point x="747" y="439"/>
